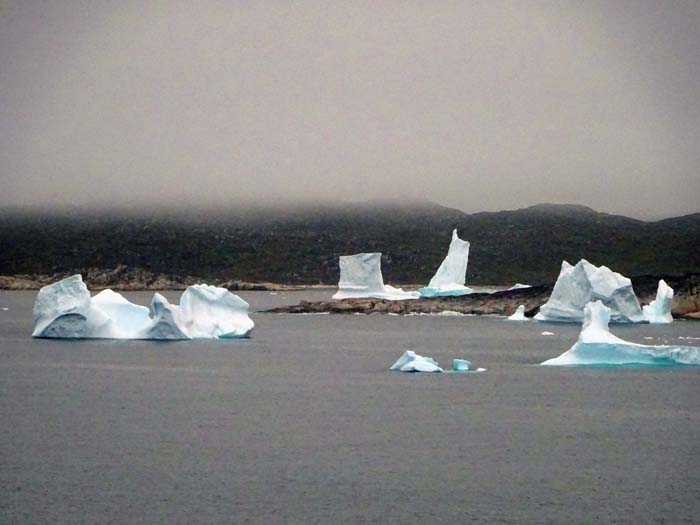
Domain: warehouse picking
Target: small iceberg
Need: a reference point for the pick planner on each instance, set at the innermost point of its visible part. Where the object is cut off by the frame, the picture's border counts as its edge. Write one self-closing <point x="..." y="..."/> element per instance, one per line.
<point x="65" y="310"/>
<point x="361" y="276"/>
<point x="519" y="314"/>
<point x="519" y="286"/>
<point x="412" y="362"/>
<point x="451" y="275"/>
<point x="578" y="285"/>
<point x="547" y="333"/>
<point x="597" y="346"/>
<point x="659" y="310"/>
<point x="461" y="365"/>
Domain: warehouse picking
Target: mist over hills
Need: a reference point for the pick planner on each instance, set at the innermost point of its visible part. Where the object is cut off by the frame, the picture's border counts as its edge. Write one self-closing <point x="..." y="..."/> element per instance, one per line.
<point x="301" y="245"/>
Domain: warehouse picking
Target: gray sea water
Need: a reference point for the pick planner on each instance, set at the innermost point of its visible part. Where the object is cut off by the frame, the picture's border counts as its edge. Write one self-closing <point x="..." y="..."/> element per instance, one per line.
<point x="303" y="424"/>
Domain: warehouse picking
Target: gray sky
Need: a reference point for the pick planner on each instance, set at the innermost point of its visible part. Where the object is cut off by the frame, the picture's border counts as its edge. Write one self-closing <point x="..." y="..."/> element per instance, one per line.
<point x="476" y="105"/>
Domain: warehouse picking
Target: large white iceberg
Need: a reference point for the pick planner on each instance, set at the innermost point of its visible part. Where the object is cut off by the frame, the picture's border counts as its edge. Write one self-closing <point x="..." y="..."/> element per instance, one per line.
<point x="452" y="273"/>
<point x="577" y="285"/>
<point x="519" y="314"/>
<point x="412" y="362"/>
<point x="597" y="346"/>
<point x="361" y="276"/>
<point x="659" y="310"/>
<point x="66" y="310"/>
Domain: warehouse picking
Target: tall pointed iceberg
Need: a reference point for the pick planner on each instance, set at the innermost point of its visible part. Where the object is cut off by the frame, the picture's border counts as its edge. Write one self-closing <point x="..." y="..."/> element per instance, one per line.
<point x="659" y="310"/>
<point x="597" y="346"/>
<point x="578" y="285"/>
<point x="361" y="276"/>
<point x="452" y="273"/>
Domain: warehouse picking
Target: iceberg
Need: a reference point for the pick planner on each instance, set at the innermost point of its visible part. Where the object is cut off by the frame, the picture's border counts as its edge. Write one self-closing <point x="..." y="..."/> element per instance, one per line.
<point x="578" y="285"/>
<point x="66" y="310"/>
<point x="518" y="286"/>
<point x="451" y="275"/>
<point x="210" y="311"/>
<point x="597" y="346"/>
<point x="361" y="276"/>
<point x="659" y="310"/>
<point x="519" y="314"/>
<point x="412" y="362"/>
<point x="461" y="365"/>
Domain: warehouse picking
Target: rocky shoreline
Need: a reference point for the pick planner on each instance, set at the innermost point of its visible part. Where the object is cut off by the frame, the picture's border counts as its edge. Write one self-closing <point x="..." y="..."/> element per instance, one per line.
<point x="686" y="302"/>
<point x="123" y="278"/>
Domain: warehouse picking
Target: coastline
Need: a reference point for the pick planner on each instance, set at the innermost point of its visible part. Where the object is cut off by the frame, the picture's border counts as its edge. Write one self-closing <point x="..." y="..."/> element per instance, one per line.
<point x="487" y="300"/>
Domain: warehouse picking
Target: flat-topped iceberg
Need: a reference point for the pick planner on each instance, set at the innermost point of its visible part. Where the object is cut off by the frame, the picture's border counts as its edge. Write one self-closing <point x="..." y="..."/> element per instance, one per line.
<point x="519" y="314"/>
<point x="597" y="346"/>
<point x="361" y="276"/>
<point x="66" y="310"/>
<point x="451" y="275"/>
<point x="412" y="362"/>
<point x="659" y="310"/>
<point x="578" y="285"/>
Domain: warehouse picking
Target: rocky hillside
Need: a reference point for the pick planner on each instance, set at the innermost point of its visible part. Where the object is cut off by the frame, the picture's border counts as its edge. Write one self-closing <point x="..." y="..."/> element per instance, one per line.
<point x="302" y="246"/>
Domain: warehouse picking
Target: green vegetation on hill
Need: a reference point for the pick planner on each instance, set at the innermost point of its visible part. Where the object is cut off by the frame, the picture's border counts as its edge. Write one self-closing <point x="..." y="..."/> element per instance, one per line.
<point x="302" y="246"/>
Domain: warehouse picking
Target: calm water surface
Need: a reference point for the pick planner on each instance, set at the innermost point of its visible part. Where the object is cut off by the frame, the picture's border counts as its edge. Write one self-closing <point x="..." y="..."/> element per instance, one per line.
<point x="303" y="424"/>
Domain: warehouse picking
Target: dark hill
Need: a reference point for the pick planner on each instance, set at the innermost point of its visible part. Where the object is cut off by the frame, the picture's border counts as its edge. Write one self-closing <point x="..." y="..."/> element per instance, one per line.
<point x="302" y="245"/>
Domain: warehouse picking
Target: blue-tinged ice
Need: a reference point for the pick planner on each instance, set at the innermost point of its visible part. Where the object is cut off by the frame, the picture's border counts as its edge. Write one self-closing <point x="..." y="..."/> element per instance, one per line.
<point x="519" y="314"/>
<point x="164" y="322"/>
<point x="461" y="365"/>
<point x="597" y="346"/>
<point x="66" y="310"/>
<point x="578" y="285"/>
<point x="451" y="275"/>
<point x="412" y="362"/>
<point x="126" y="316"/>
<point x="361" y="276"/>
<point x="659" y="310"/>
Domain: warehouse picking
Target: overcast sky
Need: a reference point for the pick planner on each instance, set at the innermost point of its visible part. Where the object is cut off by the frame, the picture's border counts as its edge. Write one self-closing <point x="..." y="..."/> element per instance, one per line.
<point x="475" y="105"/>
